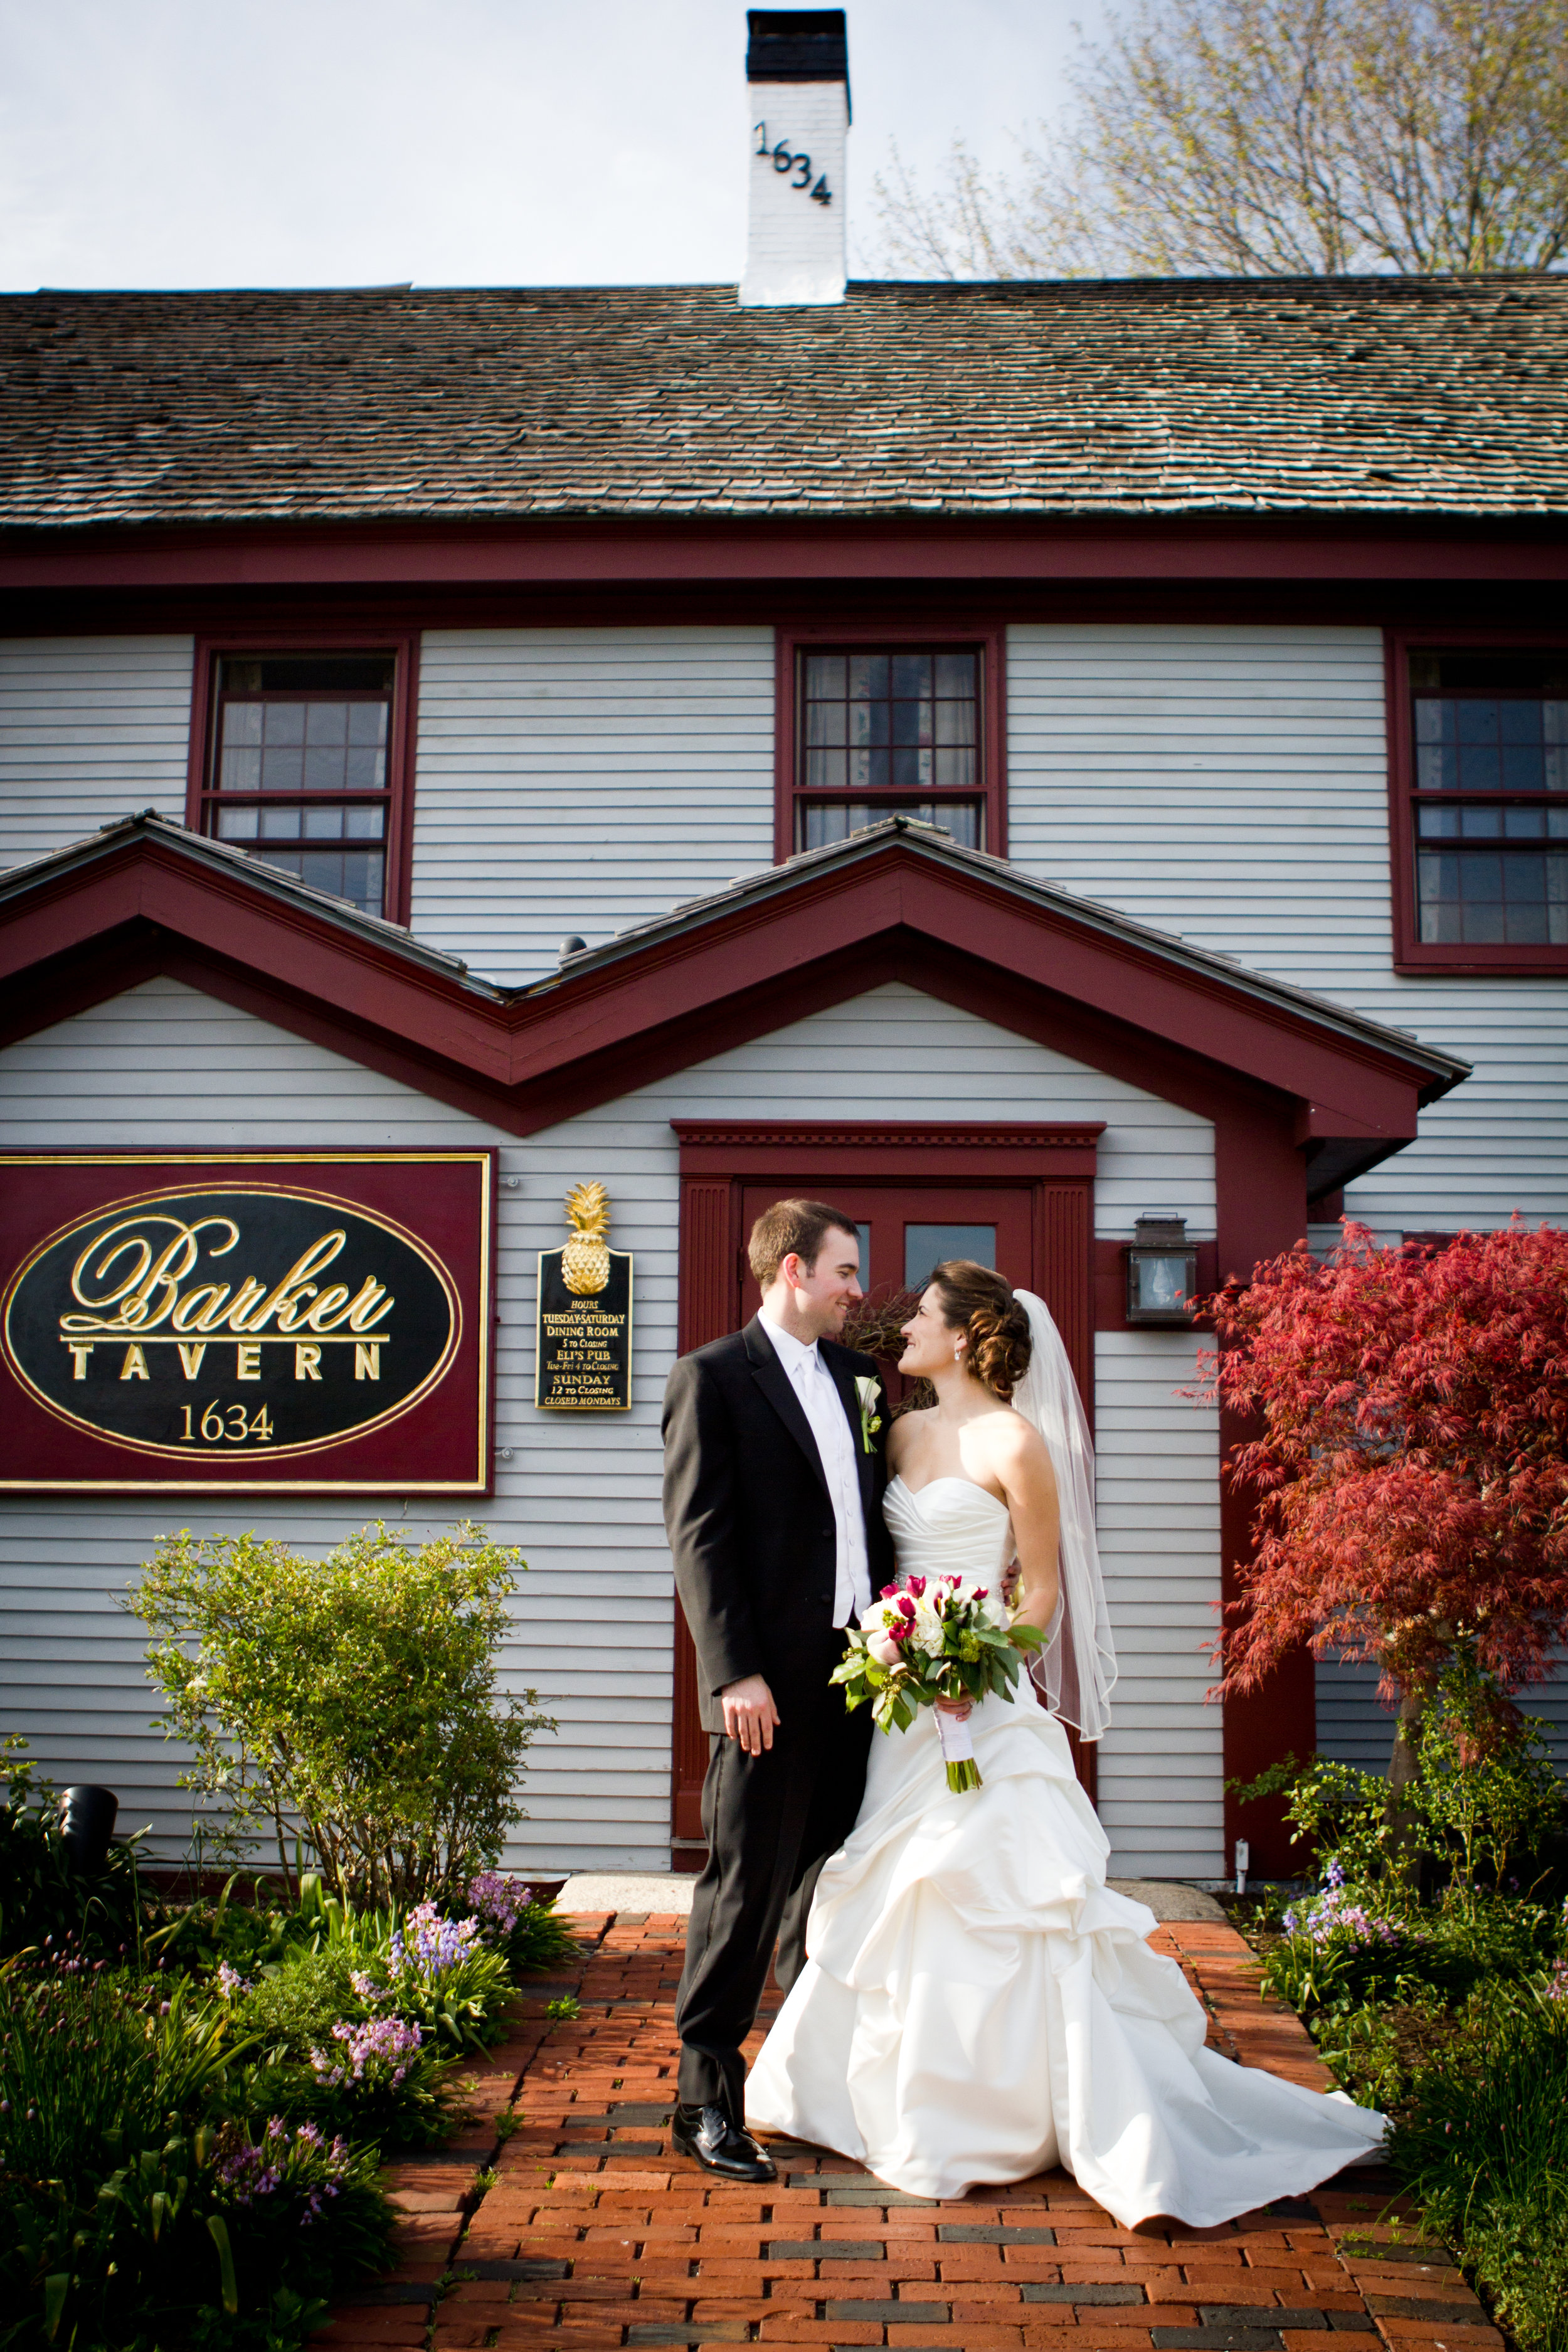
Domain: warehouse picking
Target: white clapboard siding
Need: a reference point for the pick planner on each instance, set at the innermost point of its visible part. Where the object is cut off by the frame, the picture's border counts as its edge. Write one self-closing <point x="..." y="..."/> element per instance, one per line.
<point x="580" y="1495"/>
<point x="585" y="780"/>
<point x="1161" y="1764"/>
<point x="1355" y="1728"/>
<point x="91" y="729"/>
<point x="1229" y="783"/>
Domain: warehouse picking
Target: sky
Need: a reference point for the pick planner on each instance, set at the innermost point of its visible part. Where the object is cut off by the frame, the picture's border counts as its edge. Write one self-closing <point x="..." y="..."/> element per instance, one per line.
<point x="300" y="143"/>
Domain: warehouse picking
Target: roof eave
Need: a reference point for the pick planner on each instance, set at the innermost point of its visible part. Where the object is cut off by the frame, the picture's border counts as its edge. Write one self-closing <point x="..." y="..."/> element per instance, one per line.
<point x="1441" y="1071"/>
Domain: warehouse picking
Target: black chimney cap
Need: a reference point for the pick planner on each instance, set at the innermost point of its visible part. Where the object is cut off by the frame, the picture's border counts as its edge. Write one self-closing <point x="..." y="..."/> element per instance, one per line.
<point x="797" y="45"/>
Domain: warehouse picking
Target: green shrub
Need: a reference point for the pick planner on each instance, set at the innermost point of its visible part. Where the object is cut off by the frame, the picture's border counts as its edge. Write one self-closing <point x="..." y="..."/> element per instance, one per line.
<point x="1483" y="1806"/>
<point x="98" y="2065"/>
<point x="202" y="1935"/>
<point x="1485" y="1791"/>
<point x="1484" y="2149"/>
<point x="293" y="2005"/>
<point x="323" y="2033"/>
<point x="352" y="1698"/>
<point x="206" y="2241"/>
<point x="1337" y="1952"/>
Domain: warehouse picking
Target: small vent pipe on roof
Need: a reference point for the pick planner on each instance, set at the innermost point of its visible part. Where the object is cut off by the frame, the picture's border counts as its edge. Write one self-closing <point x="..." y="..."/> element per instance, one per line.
<point x="797" y="79"/>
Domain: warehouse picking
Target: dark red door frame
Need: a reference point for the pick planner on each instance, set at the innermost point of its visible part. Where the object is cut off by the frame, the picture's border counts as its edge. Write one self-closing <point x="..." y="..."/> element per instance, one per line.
<point x="718" y="1161"/>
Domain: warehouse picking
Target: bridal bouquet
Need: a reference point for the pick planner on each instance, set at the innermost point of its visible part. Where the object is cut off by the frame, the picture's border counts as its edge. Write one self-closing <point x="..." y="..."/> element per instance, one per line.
<point x="934" y="1637"/>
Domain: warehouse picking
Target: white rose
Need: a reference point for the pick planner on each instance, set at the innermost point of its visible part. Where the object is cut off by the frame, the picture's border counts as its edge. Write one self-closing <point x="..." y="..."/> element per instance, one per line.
<point x="928" y="1632"/>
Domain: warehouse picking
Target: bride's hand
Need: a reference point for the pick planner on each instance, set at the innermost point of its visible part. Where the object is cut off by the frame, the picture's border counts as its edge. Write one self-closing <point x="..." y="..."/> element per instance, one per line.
<point x="957" y="1708"/>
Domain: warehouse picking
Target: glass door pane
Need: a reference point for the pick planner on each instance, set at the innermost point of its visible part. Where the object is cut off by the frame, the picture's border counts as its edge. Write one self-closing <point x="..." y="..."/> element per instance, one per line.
<point x="928" y="1246"/>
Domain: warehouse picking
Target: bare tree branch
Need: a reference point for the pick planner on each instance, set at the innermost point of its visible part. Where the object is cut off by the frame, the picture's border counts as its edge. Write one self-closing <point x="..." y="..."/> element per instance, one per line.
<point x="1268" y="137"/>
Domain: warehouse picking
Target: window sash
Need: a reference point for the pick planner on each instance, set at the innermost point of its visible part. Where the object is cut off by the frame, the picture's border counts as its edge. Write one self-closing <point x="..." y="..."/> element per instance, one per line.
<point x="885" y="729"/>
<point x="1478" y="803"/>
<point x="302" y="776"/>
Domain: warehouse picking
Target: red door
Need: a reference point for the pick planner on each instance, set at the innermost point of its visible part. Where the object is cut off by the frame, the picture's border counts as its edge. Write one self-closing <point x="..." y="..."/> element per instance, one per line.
<point x="1019" y="1200"/>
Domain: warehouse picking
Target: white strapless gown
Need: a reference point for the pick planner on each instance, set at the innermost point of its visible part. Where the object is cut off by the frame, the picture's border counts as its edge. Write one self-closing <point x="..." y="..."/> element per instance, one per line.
<point x="978" y="2005"/>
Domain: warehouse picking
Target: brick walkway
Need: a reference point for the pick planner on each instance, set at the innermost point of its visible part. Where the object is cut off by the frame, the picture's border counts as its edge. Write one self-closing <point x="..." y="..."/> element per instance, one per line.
<point x="562" y="2218"/>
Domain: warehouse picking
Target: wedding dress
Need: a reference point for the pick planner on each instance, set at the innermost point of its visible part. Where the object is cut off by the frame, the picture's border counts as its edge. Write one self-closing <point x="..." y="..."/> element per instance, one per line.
<point x="978" y="2005"/>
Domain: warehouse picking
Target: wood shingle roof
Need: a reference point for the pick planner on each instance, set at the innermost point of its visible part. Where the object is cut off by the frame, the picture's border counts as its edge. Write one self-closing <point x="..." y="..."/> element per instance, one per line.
<point x="1188" y="397"/>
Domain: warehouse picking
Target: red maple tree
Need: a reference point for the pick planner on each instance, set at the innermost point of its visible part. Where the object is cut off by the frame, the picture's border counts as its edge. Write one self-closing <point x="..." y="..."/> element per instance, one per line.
<point x="1409" y="1454"/>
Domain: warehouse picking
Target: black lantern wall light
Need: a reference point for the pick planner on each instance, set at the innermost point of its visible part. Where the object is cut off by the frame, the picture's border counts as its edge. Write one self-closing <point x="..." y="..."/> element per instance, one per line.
<point x="1162" y="1272"/>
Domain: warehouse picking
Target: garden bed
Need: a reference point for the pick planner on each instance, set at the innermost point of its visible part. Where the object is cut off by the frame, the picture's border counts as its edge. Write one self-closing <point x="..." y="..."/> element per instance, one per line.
<point x="1452" y="2017"/>
<point x="197" y="2103"/>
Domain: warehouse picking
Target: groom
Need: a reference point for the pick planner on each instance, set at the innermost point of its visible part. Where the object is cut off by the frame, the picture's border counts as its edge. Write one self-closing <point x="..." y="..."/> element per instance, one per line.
<point x="773" y="1499"/>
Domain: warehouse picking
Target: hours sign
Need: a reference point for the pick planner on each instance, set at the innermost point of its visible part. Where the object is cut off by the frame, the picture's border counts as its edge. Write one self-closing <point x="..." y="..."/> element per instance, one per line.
<point x="584" y="1338"/>
<point x="306" y="1320"/>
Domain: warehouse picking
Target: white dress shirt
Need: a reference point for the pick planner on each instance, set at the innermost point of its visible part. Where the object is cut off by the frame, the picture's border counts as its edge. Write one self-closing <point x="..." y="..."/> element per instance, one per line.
<point x="823" y="1410"/>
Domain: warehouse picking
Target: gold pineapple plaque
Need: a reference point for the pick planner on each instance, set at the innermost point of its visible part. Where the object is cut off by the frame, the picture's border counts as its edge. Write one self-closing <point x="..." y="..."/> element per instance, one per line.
<point x="585" y="1260"/>
<point x="584" y="1340"/>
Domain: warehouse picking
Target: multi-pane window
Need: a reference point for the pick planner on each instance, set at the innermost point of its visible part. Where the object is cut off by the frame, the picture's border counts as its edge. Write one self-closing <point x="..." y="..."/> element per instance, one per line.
<point x="1490" y="799"/>
<point x="888" y="732"/>
<point x="300" y="772"/>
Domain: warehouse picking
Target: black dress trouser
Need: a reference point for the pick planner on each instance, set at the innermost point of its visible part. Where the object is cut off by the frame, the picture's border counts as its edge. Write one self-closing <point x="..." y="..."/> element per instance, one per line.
<point x="771" y="1821"/>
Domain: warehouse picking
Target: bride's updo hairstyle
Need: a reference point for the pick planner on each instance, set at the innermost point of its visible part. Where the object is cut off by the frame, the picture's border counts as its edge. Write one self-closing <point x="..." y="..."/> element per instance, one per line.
<point x="977" y="1300"/>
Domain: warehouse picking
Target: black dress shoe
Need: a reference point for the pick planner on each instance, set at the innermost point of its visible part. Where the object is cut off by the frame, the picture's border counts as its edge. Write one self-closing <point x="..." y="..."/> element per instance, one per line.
<point x="706" y="2134"/>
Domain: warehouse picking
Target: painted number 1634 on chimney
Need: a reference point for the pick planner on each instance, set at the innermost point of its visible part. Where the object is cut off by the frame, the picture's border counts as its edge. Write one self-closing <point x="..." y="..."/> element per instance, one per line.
<point x="799" y="165"/>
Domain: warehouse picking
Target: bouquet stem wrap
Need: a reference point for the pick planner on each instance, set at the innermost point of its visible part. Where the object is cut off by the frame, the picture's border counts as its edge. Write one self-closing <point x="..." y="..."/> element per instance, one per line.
<point x="958" y="1751"/>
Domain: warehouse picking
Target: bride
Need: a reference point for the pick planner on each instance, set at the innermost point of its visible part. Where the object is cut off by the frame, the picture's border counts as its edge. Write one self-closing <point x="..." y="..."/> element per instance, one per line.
<point x="977" y="2005"/>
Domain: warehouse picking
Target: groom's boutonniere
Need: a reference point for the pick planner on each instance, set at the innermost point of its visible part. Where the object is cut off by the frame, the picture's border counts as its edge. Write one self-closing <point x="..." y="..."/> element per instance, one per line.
<point x="868" y="1388"/>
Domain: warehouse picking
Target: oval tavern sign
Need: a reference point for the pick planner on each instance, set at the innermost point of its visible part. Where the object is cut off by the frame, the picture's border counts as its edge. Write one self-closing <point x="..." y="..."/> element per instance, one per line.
<point x="254" y="1330"/>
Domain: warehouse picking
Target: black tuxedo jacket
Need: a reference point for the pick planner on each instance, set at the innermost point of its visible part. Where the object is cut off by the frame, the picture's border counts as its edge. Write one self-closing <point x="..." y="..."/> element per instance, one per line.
<point x="749" y="1521"/>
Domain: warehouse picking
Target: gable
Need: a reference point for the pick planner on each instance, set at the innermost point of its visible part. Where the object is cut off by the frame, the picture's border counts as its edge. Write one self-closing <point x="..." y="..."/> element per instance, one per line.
<point x="898" y="903"/>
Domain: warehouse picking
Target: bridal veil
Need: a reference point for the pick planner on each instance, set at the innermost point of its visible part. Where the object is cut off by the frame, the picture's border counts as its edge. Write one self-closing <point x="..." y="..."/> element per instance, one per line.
<point x="1076" y="1669"/>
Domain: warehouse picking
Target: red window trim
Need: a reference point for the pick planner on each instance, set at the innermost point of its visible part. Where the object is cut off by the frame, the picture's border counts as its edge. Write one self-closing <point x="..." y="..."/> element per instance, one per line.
<point x="1413" y="955"/>
<point x="402" y="645"/>
<point x="989" y="639"/>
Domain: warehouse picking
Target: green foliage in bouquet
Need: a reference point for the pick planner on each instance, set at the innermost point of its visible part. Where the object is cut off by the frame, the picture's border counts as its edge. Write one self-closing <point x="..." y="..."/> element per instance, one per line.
<point x="353" y="1698"/>
<point x="938" y="1637"/>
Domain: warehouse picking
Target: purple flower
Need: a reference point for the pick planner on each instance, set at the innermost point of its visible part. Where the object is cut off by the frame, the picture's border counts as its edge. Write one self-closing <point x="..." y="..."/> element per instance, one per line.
<point x="230" y="1983"/>
<point x="498" y="1904"/>
<point x="427" y="1945"/>
<point x="248" y="2172"/>
<point x="1333" y="1914"/>
<point x="383" y="2047"/>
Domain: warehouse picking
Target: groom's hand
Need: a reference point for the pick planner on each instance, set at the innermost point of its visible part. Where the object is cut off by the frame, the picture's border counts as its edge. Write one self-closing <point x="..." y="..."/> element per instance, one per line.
<point x="750" y="1714"/>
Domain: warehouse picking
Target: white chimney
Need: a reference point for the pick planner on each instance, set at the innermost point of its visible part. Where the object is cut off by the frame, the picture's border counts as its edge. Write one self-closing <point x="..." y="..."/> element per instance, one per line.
<point x="797" y="79"/>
